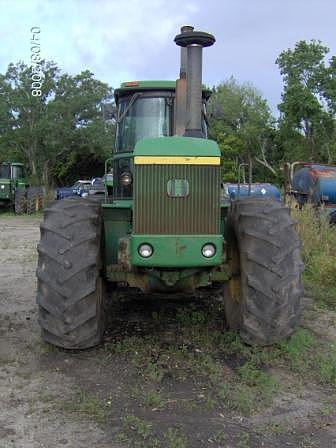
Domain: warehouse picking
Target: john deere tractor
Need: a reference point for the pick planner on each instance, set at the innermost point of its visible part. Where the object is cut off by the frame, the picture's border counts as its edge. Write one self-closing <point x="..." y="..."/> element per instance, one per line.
<point x="15" y="192"/>
<point x="165" y="228"/>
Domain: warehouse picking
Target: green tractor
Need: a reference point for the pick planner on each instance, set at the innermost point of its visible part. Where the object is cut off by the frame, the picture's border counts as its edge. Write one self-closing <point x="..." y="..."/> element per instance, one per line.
<point x="164" y="229"/>
<point x="15" y="192"/>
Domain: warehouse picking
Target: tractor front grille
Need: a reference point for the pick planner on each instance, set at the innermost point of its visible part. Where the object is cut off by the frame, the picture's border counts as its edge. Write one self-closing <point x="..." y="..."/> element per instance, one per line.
<point x="194" y="212"/>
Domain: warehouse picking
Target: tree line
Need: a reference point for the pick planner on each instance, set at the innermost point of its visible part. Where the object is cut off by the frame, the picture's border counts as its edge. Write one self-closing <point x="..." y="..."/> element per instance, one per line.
<point x="69" y="131"/>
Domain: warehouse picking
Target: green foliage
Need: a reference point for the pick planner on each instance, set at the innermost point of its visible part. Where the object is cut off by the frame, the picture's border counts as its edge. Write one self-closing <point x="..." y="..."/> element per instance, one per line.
<point x="307" y="124"/>
<point x="153" y="399"/>
<point x="318" y="251"/>
<point x="327" y="366"/>
<point x="138" y="432"/>
<point x="86" y="404"/>
<point x="175" y="439"/>
<point x="55" y="133"/>
<point x="242" y="124"/>
<point x="297" y="350"/>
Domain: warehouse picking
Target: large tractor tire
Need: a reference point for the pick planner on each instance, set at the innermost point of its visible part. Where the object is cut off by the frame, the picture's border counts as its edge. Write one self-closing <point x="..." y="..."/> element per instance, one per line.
<point x="70" y="288"/>
<point x="263" y="297"/>
<point x="20" y="201"/>
<point x="34" y="200"/>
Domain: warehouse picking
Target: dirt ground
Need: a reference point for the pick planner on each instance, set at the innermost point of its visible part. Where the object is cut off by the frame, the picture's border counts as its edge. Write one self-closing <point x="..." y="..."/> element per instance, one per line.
<point x="135" y="390"/>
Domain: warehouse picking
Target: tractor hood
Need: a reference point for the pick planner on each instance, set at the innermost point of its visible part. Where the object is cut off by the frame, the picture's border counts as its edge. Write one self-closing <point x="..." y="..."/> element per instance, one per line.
<point x="177" y="147"/>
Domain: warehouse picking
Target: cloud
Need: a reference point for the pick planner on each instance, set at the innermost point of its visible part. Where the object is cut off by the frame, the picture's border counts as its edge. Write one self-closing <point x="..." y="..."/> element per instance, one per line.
<point x="134" y="39"/>
<point x="111" y="38"/>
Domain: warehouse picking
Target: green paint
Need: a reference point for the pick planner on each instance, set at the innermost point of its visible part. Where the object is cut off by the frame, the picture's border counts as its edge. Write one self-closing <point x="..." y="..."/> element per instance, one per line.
<point x="122" y="155"/>
<point x="176" y="251"/>
<point x="177" y="146"/>
<point x="8" y="185"/>
<point x="117" y="224"/>
<point x="150" y="85"/>
<point x="122" y="203"/>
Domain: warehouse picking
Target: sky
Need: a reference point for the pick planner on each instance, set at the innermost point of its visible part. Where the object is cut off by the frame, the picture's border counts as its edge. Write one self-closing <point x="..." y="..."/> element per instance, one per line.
<point x="133" y="39"/>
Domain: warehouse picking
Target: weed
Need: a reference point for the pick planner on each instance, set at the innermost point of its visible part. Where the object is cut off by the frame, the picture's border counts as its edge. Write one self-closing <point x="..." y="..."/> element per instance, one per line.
<point x="219" y="437"/>
<point x="205" y="365"/>
<point x="138" y="432"/>
<point x="266" y="385"/>
<point x="153" y="372"/>
<point x="243" y="440"/>
<point x="326" y="363"/>
<point x="191" y="316"/>
<point x="238" y="397"/>
<point x="153" y="399"/>
<point x="210" y="404"/>
<point x="275" y="427"/>
<point x="83" y="403"/>
<point x="318" y="251"/>
<point x="296" y="350"/>
<point x="175" y="439"/>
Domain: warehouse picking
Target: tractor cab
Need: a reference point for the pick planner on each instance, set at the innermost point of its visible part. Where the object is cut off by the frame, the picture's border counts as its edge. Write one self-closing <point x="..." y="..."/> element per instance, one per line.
<point x="11" y="179"/>
<point x="12" y="171"/>
<point x="146" y="109"/>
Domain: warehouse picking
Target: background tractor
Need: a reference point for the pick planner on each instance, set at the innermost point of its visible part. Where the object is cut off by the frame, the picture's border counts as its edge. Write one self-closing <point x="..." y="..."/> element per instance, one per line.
<point x="15" y="192"/>
<point x="164" y="229"/>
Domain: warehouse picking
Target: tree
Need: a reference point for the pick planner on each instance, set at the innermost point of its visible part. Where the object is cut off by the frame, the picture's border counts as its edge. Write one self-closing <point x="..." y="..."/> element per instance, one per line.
<point x="242" y="124"/>
<point x="76" y="124"/>
<point x="54" y="132"/>
<point x="307" y="122"/>
<point x="23" y="132"/>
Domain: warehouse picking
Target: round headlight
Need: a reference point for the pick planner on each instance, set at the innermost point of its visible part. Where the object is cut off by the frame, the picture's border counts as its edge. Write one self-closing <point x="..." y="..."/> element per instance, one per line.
<point x="208" y="250"/>
<point x="126" y="179"/>
<point x="145" y="250"/>
<point x="2" y="187"/>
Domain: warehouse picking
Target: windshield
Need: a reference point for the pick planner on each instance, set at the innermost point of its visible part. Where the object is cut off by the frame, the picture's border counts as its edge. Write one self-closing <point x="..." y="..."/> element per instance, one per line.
<point x="142" y="117"/>
<point x="5" y="171"/>
<point x="17" y="172"/>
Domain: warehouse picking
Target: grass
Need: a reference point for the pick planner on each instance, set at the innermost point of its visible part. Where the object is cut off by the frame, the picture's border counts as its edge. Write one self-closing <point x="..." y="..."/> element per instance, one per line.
<point x="153" y="399"/>
<point x="87" y="405"/>
<point x="139" y="433"/>
<point x="318" y="252"/>
<point x="236" y="377"/>
<point x="175" y="439"/>
<point x="9" y="215"/>
<point x="149" y="398"/>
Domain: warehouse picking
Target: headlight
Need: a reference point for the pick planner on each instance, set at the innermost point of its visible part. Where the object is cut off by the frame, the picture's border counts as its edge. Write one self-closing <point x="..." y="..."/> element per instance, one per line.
<point x="145" y="250"/>
<point x="2" y="187"/>
<point x="125" y="179"/>
<point x="208" y="250"/>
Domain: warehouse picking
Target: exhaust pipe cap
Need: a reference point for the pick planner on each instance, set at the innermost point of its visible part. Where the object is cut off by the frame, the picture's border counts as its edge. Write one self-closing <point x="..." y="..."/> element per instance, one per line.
<point x="194" y="38"/>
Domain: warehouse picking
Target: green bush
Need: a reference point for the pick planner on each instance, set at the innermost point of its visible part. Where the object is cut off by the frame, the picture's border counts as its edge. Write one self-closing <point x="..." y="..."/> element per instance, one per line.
<point x="318" y="251"/>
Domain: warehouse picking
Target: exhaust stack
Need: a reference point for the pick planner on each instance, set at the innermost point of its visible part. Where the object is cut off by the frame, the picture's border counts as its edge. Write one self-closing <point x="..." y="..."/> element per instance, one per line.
<point x="193" y="42"/>
<point x="181" y="89"/>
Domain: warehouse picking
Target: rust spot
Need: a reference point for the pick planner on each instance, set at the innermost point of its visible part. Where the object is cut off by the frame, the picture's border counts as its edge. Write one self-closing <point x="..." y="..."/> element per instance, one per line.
<point x="324" y="173"/>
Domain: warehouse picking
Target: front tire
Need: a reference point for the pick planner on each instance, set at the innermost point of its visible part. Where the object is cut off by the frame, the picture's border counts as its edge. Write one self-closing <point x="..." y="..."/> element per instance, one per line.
<point x="263" y="297"/>
<point x="20" y="202"/>
<point x="70" y="288"/>
<point x="34" y="200"/>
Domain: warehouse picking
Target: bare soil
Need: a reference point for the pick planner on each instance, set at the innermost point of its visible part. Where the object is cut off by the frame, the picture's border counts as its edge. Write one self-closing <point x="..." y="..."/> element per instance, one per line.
<point x="108" y="397"/>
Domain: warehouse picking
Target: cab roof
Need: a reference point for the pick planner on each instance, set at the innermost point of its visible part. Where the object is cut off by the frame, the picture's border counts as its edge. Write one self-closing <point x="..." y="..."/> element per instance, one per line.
<point x="12" y="163"/>
<point x="142" y="86"/>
